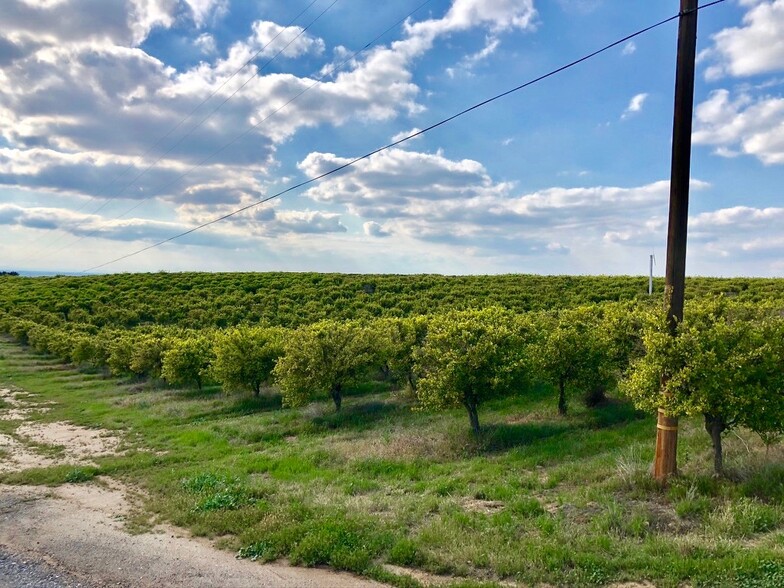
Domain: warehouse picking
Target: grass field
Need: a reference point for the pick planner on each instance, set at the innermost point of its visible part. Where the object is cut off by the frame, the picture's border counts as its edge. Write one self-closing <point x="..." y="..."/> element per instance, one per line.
<point x="537" y="499"/>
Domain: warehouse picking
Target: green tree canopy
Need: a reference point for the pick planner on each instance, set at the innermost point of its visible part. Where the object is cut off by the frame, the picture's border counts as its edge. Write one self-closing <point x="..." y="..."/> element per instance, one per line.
<point x="189" y="360"/>
<point x="573" y="353"/>
<point x="246" y="356"/>
<point x="324" y="358"/>
<point x="471" y="356"/>
<point x="725" y="363"/>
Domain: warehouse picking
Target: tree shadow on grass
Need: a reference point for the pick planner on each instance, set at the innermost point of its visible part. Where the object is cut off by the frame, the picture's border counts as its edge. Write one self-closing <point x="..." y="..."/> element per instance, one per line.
<point x="204" y="393"/>
<point x="242" y="406"/>
<point x="358" y="416"/>
<point x="614" y="412"/>
<point x="502" y="437"/>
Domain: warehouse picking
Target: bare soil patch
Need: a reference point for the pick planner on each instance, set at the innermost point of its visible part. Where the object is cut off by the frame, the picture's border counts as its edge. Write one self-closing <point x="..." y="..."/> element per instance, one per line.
<point x="79" y="443"/>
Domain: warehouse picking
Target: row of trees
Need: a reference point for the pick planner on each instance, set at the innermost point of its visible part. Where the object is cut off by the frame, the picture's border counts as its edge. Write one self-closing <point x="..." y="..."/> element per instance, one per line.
<point x="202" y="300"/>
<point x="726" y="364"/>
<point x="455" y="358"/>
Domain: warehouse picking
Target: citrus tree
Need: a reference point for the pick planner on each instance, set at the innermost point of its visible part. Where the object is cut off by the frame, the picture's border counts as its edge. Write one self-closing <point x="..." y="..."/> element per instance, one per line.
<point x="574" y="355"/>
<point x="188" y="361"/>
<point x="397" y="341"/>
<point x="323" y="359"/>
<point x="725" y="364"/>
<point x="147" y="353"/>
<point x="469" y="357"/>
<point x="246" y="356"/>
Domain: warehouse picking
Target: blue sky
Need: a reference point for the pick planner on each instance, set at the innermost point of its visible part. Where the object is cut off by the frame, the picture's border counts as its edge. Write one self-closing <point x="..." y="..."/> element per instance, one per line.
<point x="100" y="155"/>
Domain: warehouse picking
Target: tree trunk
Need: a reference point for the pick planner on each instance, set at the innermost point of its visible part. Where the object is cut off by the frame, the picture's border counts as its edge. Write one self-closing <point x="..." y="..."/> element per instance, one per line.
<point x="257" y="390"/>
<point x="561" y="397"/>
<point x="715" y="426"/>
<point x="337" y="398"/>
<point x="595" y="397"/>
<point x="473" y="416"/>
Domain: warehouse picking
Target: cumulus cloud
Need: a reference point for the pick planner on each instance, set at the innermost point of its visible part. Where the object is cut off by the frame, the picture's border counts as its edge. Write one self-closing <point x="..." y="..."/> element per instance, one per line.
<point x="498" y="15"/>
<point x="742" y="125"/>
<point x="629" y="48"/>
<point x="272" y="221"/>
<point x="206" y="43"/>
<point x="374" y="229"/>
<point x="81" y="103"/>
<point x="203" y="10"/>
<point x="429" y="197"/>
<point x="756" y="47"/>
<point x="403" y="134"/>
<point x="635" y="105"/>
<point x="741" y="232"/>
<point x="242" y="231"/>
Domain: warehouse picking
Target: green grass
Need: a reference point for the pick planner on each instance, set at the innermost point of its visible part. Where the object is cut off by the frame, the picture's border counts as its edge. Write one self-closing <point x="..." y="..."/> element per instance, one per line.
<point x="537" y="498"/>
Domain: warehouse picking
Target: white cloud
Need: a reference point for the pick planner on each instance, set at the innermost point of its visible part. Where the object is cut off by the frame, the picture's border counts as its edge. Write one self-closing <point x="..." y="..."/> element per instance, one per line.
<point x="428" y="197"/>
<point x="265" y="222"/>
<point x="403" y="134"/>
<point x="469" y="62"/>
<point x="757" y="47"/>
<point x="498" y="15"/>
<point x="635" y="105"/>
<point x="81" y="103"/>
<point x="206" y="43"/>
<point x="629" y="48"/>
<point x="374" y="229"/>
<point x="742" y="125"/>
<point x="202" y="10"/>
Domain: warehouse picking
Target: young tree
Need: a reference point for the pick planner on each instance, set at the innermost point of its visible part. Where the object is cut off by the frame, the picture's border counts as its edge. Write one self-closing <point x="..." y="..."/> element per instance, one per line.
<point x="573" y="354"/>
<point x="90" y="350"/>
<point x="724" y="364"/>
<point x="397" y="341"/>
<point x="324" y="358"/>
<point x="120" y="350"/>
<point x="147" y="353"/>
<point x="246" y="356"/>
<point x="188" y="360"/>
<point x="469" y="357"/>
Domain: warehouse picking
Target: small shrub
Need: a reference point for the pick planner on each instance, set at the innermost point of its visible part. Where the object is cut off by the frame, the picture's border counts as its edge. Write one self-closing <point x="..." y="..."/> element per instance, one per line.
<point x="765" y="574"/>
<point x="217" y="492"/>
<point x="689" y="503"/>
<point x="692" y="508"/>
<point x="631" y="466"/>
<point x="261" y="550"/>
<point x="526" y="507"/>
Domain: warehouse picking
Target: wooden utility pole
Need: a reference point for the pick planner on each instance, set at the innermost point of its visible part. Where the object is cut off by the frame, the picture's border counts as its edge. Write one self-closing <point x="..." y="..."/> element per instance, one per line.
<point x="665" y="463"/>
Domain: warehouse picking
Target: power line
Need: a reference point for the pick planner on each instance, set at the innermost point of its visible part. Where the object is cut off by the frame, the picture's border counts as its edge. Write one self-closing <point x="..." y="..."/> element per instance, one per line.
<point x="200" y="123"/>
<point x="440" y="123"/>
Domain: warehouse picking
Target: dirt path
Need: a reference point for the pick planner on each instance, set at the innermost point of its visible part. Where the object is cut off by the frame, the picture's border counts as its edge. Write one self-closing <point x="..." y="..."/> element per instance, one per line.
<point x="78" y="529"/>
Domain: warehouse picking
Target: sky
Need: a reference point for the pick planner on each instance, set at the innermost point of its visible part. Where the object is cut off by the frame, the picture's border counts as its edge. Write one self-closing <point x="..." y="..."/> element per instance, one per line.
<point x="126" y="122"/>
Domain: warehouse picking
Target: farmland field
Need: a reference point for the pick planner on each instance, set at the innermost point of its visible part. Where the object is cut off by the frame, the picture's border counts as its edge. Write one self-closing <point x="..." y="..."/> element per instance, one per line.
<point x="388" y="477"/>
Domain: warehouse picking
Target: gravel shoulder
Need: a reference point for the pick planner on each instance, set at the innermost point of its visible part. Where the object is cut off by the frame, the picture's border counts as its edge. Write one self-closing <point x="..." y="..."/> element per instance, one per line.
<point x="17" y="571"/>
